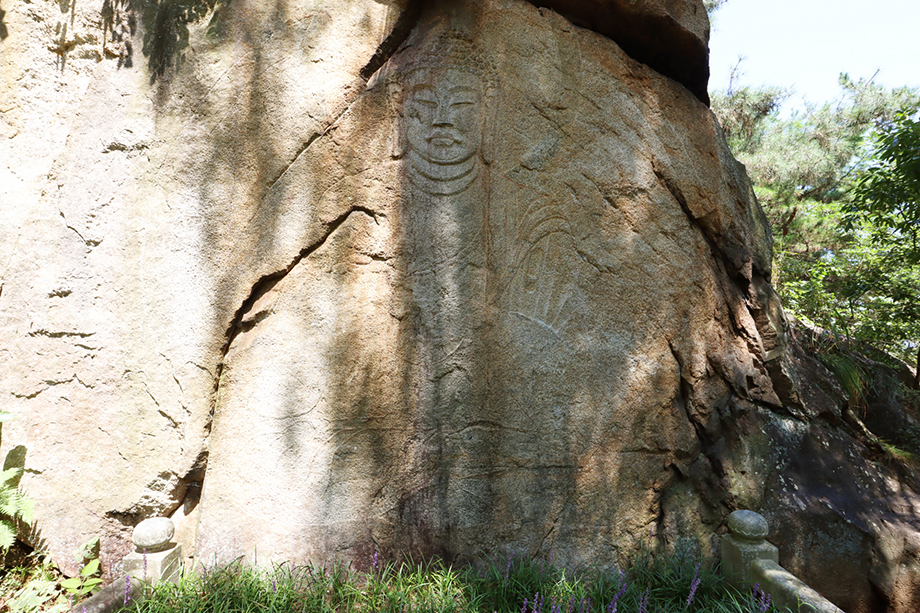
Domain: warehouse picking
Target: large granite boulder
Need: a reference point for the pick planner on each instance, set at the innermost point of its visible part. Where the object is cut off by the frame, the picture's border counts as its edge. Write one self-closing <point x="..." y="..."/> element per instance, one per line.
<point x="453" y="277"/>
<point x="524" y="273"/>
<point x="842" y="507"/>
<point x="128" y="202"/>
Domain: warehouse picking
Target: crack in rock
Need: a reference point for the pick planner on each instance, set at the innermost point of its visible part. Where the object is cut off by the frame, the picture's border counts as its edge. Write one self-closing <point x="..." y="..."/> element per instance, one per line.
<point x="265" y="284"/>
<point x="54" y="334"/>
<point x="406" y="22"/>
<point x="404" y="25"/>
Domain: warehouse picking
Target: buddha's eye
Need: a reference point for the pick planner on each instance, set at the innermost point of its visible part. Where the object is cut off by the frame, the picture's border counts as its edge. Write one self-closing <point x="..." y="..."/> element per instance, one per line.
<point x="424" y="97"/>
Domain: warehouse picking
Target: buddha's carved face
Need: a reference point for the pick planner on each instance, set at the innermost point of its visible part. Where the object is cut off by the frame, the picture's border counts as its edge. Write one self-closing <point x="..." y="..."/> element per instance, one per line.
<point x="443" y="115"/>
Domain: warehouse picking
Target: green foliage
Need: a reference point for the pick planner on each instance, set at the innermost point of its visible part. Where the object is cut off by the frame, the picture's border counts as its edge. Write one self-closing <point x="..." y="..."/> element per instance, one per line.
<point x="745" y="114"/>
<point x="851" y="376"/>
<point x="899" y="453"/>
<point x="844" y="213"/>
<point x="811" y="154"/>
<point x="861" y="292"/>
<point x="15" y="507"/>
<point x="32" y="597"/>
<point x="34" y="588"/>
<point x="88" y="551"/>
<point x="88" y="580"/>
<point x="712" y="6"/>
<point x="85" y="582"/>
<point x="887" y="194"/>
<point x="663" y="583"/>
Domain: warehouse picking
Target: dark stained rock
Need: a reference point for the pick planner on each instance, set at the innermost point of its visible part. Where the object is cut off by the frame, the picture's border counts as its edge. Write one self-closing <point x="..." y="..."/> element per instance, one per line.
<point x="843" y="511"/>
<point x="671" y="36"/>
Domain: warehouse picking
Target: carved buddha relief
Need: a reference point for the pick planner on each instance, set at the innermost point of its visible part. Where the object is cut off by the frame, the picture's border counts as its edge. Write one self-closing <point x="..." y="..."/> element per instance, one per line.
<point x="445" y="105"/>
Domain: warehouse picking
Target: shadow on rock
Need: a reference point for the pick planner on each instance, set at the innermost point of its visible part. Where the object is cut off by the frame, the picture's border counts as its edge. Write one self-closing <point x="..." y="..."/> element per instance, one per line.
<point x="165" y="24"/>
<point x="4" y="32"/>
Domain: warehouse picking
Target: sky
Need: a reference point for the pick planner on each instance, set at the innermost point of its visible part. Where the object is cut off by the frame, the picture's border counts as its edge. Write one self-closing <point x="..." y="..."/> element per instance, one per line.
<point x="806" y="44"/>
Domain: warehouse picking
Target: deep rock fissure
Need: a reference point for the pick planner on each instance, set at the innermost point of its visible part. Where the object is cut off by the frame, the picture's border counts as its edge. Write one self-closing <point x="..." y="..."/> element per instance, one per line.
<point x="741" y="284"/>
<point x="406" y="22"/>
<point x="266" y="283"/>
<point x="404" y="25"/>
<point x="717" y="253"/>
<point x="261" y="287"/>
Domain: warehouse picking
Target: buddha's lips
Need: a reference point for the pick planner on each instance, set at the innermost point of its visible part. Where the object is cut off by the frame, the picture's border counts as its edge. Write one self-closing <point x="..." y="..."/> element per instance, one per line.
<point x="442" y="139"/>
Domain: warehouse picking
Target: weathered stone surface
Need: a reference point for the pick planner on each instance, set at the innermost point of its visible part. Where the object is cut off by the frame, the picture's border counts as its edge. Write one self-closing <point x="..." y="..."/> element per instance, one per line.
<point x="671" y="36"/>
<point x="153" y="534"/>
<point x="842" y="514"/>
<point x="126" y="207"/>
<point x="737" y="556"/>
<point x="565" y="341"/>
<point x="516" y="277"/>
<point x="163" y="565"/>
<point x="788" y="592"/>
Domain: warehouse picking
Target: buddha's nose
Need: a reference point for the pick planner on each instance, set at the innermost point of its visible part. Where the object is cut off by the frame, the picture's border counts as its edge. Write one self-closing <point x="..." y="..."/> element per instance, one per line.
<point x="442" y="116"/>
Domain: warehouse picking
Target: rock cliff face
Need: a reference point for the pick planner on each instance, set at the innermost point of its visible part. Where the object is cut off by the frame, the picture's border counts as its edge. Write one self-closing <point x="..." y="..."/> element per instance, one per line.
<point x="514" y="295"/>
<point x="131" y="195"/>
<point x="452" y="277"/>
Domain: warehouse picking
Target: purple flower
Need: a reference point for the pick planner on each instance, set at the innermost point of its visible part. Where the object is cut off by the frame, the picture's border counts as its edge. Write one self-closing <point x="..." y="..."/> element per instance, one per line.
<point x="375" y="560"/>
<point x="761" y="598"/>
<point x="145" y="563"/>
<point x="524" y="608"/>
<point x="127" y="589"/>
<point x="612" y="607"/>
<point x="508" y="570"/>
<point x="694" y="584"/>
<point x="643" y="602"/>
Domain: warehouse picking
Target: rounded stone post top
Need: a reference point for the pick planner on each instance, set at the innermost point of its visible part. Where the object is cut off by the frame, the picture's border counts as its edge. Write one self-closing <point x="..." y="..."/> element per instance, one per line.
<point x="153" y="534"/>
<point x="748" y="526"/>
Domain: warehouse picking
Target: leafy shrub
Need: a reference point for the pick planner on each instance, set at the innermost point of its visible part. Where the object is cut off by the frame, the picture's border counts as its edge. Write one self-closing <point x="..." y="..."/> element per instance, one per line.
<point x="14" y="505"/>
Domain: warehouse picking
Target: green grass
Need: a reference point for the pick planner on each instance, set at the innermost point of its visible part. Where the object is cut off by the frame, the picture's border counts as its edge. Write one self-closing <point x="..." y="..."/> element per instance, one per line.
<point x="651" y="585"/>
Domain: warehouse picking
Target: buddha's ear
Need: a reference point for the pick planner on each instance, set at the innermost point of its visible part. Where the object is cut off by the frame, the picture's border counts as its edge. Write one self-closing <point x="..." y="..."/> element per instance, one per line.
<point x="489" y="125"/>
<point x="397" y="121"/>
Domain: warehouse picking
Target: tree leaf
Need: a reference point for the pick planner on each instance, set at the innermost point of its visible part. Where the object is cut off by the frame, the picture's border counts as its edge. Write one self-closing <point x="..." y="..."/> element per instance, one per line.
<point x="91" y="568"/>
<point x="72" y="584"/>
<point x="7" y="535"/>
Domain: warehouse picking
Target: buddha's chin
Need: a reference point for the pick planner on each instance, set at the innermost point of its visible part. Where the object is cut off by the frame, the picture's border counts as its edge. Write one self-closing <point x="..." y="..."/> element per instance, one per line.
<point x="445" y="155"/>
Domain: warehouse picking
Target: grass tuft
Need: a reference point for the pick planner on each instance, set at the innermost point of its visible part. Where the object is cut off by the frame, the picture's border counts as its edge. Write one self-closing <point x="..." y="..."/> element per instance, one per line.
<point x="652" y="584"/>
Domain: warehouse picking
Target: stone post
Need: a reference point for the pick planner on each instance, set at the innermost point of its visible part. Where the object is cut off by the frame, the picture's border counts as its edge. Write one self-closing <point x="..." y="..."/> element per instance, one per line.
<point x="747" y="559"/>
<point x="156" y="557"/>
<point x="743" y="546"/>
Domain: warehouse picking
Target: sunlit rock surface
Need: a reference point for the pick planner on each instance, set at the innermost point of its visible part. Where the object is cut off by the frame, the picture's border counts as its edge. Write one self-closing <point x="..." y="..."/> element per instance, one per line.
<point x="529" y="273"/>
<point x="330" y="279"/>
